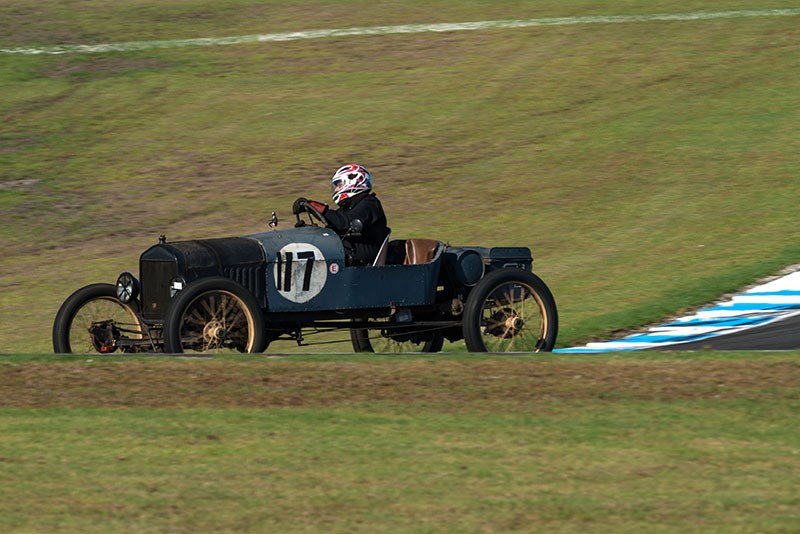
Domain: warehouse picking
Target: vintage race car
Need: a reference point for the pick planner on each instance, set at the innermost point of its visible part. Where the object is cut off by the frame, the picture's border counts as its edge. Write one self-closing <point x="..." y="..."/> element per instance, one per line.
<point x="241" y="293"/>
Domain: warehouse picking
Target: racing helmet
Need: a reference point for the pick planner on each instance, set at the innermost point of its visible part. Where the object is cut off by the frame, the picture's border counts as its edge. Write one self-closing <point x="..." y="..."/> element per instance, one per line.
<point x="349" y="181"/>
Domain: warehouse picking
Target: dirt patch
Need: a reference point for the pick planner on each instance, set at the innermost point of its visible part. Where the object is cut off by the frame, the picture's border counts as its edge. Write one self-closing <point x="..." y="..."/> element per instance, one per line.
<point x="100" y="67"/>
<point x="444" y="383"/>
<point x="25" y="183"/>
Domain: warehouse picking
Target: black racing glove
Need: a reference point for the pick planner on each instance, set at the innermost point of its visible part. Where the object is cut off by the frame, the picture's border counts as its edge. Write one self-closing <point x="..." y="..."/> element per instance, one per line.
<point x="303" y="204"/>
<point x="299" y="206"/>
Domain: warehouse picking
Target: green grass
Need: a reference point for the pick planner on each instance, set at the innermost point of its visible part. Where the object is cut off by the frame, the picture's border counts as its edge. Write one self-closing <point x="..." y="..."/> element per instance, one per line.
<point x="628" y="467"/>
<point x="650" y="166"/>
<point x="625" y="455"/>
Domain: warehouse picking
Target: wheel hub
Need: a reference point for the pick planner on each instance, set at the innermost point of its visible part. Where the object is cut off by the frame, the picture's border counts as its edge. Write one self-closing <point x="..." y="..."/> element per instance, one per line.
<point x="505" y="323"/>
<point x="514" y="325"/>
<point x="214" y="332"/>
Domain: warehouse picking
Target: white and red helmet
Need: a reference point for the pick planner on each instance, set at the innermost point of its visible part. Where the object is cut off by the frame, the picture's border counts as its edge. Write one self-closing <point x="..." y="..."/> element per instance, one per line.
<point x="349" y="181"/>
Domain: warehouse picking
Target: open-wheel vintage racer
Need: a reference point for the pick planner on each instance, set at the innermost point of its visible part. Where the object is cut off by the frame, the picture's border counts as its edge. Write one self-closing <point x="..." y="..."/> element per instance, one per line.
<point x="241" y="293"/>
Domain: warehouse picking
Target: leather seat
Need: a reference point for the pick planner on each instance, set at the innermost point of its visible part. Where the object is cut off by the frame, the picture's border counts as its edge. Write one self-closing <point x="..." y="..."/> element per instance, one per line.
<point x="420" y="251"/>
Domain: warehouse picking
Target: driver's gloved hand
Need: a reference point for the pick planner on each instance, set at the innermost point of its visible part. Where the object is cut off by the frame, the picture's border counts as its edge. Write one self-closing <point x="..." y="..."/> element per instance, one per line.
<point x="319" y="207"/>
<point x="299" y="206"/>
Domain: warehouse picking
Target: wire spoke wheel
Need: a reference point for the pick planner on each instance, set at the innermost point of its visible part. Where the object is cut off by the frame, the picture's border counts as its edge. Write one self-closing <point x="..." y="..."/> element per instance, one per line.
<point x="396" y="340"/>
<point x="93" y="320"/>
<point x="222" y="324"/>
<point x="510" y="310"/>
<point x="214" y="315"/>
<point x="513" y="319"/>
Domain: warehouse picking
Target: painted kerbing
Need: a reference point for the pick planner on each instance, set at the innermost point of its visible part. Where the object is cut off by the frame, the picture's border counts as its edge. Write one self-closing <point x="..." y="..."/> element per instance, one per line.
<point x="768" y="303"/>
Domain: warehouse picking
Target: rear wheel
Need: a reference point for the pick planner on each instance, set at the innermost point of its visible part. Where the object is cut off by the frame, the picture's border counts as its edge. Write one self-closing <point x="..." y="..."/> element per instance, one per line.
<point x="214" y="315"/>
<point x="510" y="310"/>
<point x="93" y="320"/>
<point x="393" y="340"/>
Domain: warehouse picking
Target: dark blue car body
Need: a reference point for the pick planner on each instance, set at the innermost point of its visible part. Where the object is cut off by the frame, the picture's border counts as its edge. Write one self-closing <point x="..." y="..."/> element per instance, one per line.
<point x="242" y="293"/>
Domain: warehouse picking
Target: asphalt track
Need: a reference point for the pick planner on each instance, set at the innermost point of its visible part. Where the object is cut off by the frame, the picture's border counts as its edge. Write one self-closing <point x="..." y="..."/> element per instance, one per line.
<point x="780" y="335"/>
<point x="764" y="317"/>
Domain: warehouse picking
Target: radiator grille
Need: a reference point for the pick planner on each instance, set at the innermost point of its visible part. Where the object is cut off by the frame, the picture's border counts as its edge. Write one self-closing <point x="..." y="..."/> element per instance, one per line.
<point x="156" y="276"/>
<point x="250" y="276"/>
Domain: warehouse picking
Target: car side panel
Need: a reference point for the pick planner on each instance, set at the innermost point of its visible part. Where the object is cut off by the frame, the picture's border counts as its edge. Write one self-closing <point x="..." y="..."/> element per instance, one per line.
<point x="306" y="272"/>
<point x="358" y="287"/>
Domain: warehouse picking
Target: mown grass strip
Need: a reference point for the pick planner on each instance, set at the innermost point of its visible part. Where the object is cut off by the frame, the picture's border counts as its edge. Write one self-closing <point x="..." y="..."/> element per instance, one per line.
<point x="445" y="383"/>
<point x="397" y="29"/>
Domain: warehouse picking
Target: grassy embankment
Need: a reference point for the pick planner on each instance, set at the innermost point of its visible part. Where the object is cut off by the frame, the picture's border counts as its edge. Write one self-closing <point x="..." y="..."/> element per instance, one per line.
<point x="650" y="166"/>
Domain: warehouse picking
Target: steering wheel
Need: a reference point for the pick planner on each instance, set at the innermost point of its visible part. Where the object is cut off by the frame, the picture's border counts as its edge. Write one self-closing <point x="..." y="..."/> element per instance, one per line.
<point x="314" y="219"/>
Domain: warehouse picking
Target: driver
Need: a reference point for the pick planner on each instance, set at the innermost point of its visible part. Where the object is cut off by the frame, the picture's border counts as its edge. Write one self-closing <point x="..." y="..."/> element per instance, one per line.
<point x="352" y="192"/>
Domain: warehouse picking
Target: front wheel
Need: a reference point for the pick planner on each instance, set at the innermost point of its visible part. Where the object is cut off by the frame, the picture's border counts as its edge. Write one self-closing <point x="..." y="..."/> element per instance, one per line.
<point x="94" y="320"/>
<point x="214" y="315"/>
<point x="510" y="310"/>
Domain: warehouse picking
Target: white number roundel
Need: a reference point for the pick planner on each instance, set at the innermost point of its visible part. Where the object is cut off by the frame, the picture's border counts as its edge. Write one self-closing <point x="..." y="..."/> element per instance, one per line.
<point x="300" y="272"/>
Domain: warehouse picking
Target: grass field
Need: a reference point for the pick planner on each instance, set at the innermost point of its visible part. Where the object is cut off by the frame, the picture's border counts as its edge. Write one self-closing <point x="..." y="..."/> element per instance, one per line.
<point x="651" y="167"/>
<point x="656" y="443"/>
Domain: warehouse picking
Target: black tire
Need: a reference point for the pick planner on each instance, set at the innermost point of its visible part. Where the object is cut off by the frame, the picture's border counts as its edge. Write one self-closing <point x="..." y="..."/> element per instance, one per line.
<point x="510" y="310"/>
<point x="91" y="304"/>
<point x="385" y="344"/>
<point x="214" y="315"/>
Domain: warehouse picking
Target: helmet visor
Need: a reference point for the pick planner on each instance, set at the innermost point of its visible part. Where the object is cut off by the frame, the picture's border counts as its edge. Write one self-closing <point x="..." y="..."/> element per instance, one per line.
<point x="338" y="184"/>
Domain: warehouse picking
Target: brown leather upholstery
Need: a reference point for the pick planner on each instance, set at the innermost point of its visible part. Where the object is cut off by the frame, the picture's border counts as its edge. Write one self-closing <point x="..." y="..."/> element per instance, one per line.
<point x="419" y="251"/>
